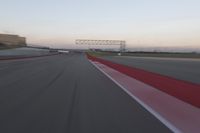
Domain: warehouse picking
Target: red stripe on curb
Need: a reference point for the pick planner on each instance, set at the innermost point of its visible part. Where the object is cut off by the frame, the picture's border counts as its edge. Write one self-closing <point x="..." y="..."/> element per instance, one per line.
<point x="185" y="91"/>
<point x="25" y="57"/>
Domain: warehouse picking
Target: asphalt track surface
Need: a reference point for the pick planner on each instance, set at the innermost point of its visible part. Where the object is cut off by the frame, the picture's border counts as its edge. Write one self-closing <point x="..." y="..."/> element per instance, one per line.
<point x="67" y="94"/>
<point x="178" y="68"/>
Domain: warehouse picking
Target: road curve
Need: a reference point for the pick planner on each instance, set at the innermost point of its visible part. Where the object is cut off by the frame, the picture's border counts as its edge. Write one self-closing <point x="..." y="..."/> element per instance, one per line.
<point x="66" y="94"/>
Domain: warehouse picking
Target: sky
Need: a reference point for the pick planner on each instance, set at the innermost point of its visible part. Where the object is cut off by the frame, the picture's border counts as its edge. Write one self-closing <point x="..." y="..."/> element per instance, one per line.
<point x="142" y="23"/>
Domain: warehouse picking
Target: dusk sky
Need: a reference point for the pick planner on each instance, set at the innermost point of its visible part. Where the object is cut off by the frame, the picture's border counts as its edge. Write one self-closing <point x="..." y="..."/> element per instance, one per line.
<point x="142" y="23"/>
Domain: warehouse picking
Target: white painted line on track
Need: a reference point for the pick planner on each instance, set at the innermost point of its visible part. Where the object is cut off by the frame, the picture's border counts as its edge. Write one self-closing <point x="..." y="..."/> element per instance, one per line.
<point x="157" y="115"/>
<point x="169" y="116"/>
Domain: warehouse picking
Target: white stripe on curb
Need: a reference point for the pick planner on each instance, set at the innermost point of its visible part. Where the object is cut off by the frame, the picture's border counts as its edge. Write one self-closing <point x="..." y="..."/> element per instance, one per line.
<point x="157" y="115"/>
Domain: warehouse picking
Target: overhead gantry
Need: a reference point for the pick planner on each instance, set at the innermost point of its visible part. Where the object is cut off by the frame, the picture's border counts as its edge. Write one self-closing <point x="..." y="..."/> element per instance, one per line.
<point x="121" y="43"/>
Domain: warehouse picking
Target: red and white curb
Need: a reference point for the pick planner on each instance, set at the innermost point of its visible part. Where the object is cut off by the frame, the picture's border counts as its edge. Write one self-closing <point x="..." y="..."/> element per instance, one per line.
<point x="178" y="116"/>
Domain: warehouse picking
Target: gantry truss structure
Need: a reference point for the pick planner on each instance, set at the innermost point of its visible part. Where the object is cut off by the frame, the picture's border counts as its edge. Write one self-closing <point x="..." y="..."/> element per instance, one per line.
<point x="121" y="43"/>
